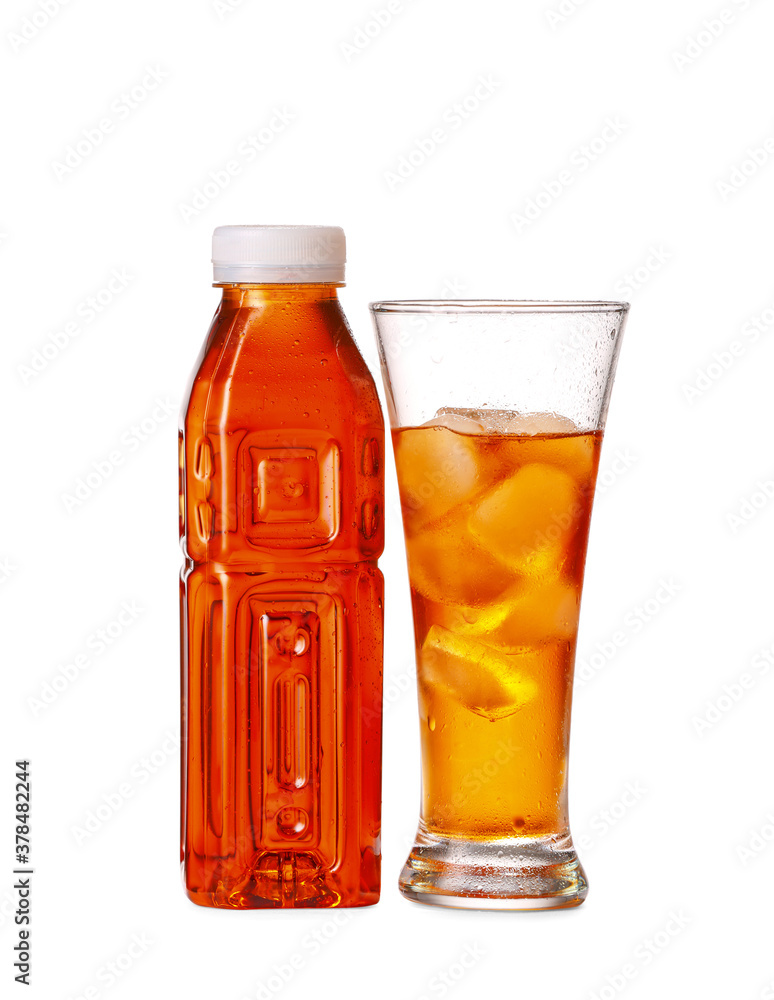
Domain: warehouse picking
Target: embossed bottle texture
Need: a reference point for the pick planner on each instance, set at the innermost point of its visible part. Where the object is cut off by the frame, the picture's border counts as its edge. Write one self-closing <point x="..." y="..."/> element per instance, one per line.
<point x="281" y="503"/>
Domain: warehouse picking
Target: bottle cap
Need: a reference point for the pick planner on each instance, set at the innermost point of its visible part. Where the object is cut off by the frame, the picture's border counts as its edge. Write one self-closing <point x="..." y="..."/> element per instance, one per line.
<point x="278" y="254"/>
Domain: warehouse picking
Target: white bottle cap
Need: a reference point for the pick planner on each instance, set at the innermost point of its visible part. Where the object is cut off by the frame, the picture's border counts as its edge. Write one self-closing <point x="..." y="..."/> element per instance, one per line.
<point x="278" y="254"/>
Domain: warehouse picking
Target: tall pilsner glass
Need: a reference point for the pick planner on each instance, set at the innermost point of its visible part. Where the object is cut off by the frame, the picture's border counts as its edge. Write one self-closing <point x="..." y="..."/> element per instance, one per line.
<point x="497" y="412"/>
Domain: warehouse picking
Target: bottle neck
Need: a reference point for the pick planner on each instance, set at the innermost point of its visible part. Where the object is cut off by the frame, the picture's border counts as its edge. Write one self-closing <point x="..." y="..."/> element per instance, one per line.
<point x="248" y="296"/>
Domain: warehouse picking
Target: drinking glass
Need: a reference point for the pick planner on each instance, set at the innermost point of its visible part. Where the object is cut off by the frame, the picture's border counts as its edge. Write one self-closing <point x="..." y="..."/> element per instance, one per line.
<point x="497" y="411"/>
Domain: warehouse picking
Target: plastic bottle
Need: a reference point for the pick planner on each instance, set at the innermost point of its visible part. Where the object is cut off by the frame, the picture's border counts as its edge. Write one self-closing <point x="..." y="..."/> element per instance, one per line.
<point x="281" y="504"/>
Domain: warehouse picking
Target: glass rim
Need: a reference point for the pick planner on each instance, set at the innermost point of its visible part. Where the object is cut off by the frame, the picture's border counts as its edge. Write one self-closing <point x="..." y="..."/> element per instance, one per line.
<point x="496" y="306"/>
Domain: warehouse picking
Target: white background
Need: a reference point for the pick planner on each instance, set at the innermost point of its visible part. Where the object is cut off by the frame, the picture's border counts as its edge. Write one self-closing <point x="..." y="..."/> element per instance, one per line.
<point x="694" y="839"/>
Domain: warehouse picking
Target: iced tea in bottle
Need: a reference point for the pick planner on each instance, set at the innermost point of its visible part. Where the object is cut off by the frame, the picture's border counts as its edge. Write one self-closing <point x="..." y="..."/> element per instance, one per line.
<point x="281" y="505"/>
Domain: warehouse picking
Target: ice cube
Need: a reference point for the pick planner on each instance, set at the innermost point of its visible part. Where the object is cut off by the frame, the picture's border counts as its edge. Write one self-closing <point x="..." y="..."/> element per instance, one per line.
<point x="527" y="424"/>
<point x="446" y="565"/>
<point x="461" y="421"/>
<point x="528" y="520"/>
<point x="437" y="471"/>
<point x="489" y="683"/>
<point x="534" y="616"/>
<point x="463" y="619"/>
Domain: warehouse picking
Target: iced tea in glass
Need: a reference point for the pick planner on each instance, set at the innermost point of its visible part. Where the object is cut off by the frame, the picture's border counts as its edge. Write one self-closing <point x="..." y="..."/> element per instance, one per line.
<point x="496" y="491"/>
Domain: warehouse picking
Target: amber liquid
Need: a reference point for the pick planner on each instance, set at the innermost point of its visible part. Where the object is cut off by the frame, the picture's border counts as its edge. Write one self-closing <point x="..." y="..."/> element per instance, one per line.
<point x="281" y="501"/>
<point x="496" y="531"/>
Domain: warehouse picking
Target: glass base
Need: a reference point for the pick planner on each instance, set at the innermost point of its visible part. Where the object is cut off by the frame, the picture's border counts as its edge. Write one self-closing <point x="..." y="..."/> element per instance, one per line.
<point x="517" y="873"/>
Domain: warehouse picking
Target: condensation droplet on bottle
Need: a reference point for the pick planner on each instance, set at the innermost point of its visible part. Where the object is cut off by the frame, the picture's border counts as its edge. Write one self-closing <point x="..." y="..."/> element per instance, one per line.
<point x="431" y="723"/>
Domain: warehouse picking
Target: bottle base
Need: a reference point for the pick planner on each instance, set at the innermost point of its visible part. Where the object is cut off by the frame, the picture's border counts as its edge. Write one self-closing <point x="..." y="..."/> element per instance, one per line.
<point x="280" y="880"/>
<point x="213" y="900"/>
<point x="520" y="873"/>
